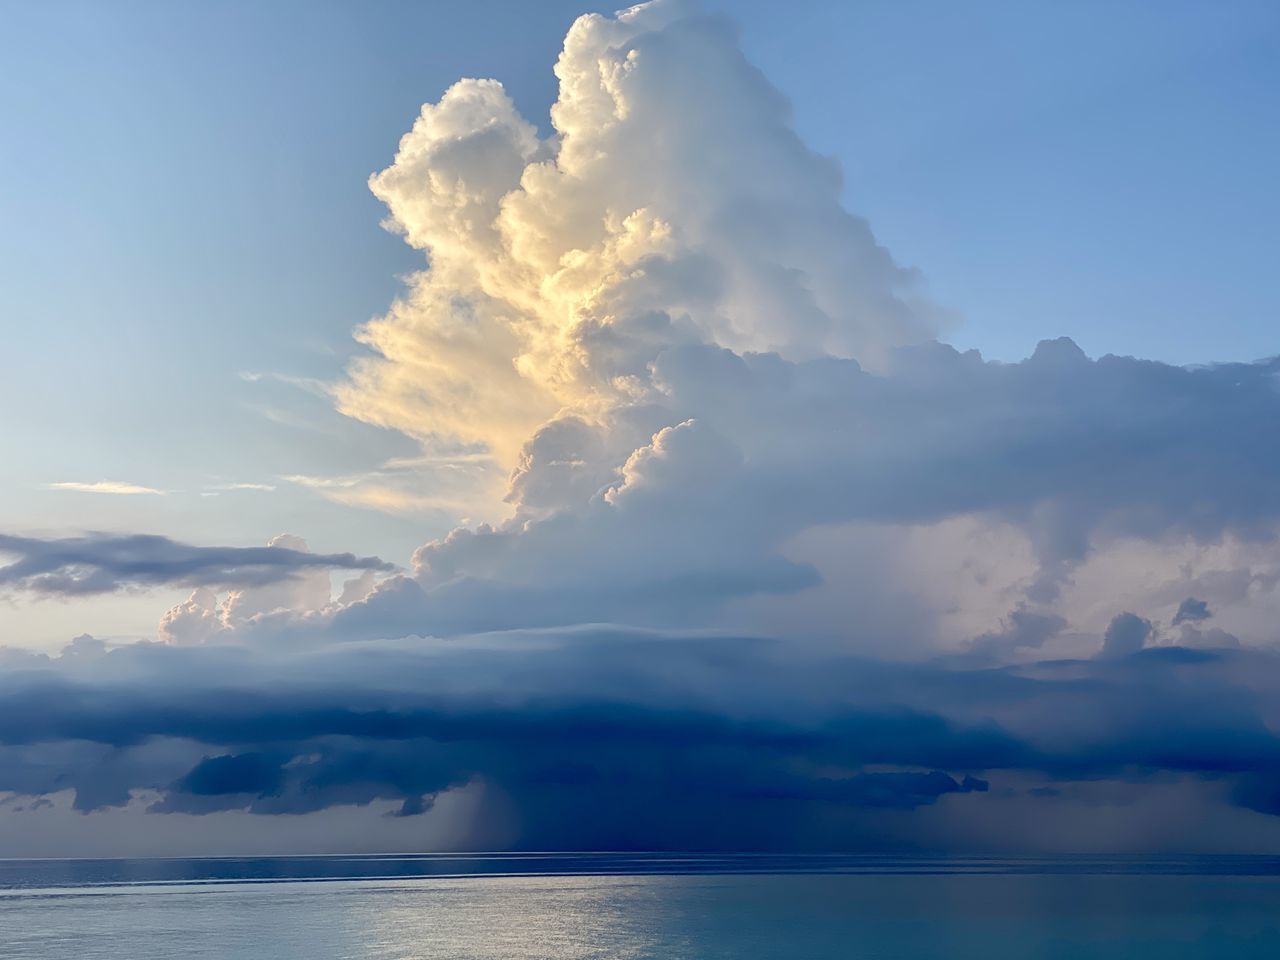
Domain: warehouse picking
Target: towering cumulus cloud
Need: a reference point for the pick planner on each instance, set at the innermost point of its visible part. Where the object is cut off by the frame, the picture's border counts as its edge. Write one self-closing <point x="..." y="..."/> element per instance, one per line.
<point x="779" y="569"/>
<point x="673" y="205"/>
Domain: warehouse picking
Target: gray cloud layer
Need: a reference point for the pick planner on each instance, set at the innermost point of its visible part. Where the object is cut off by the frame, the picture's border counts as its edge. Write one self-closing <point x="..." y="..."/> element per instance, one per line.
<point x="623" y="740"/>
<point x="102" y="562"/>
<point x="749" y="451"/>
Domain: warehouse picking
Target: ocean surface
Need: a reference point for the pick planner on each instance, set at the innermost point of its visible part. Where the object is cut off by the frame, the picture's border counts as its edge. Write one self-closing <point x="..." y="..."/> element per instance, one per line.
<point x="572" y="907"/>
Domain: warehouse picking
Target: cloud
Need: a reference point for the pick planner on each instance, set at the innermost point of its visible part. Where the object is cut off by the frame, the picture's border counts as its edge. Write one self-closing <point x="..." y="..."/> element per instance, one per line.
<point x="1023" y="629"/>
<point x="665" y="513"/>
<point x="458" y="481"/>
<point x="670" y="363"/>
<point x="246" y="773"/>
<point x="560" y="268"/>
<point x="1191" y="610"/>
<point x="101" y="563"/>
<point x="1126" y="634"/>
<point x="662" y="326"/>
<point x="767" y="566"/>
<point x="621" y="739"/>
<point x="115" y="487"/>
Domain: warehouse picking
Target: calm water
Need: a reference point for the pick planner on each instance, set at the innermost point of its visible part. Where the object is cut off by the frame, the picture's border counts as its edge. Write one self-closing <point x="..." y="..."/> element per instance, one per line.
<point x="512" y="908"/>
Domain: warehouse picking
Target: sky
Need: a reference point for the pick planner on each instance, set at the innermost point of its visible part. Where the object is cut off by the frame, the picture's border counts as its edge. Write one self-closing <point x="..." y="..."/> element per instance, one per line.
<point x="839" y="426"/>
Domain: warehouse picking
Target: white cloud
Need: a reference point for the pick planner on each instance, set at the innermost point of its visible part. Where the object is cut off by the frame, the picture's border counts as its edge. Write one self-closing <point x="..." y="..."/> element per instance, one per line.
<point x="675" y="204"/>
<point x="306" y="594"/>
<point x="715" y="400"/>
<point x="113" y="487"/>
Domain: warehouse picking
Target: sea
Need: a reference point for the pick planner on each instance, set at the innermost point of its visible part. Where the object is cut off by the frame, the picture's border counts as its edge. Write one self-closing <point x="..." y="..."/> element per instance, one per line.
<point x="672" y="907"/>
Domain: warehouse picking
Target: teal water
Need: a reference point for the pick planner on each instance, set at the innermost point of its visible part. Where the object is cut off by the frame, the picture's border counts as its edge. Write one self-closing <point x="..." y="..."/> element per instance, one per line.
<point x="572" y="908"/>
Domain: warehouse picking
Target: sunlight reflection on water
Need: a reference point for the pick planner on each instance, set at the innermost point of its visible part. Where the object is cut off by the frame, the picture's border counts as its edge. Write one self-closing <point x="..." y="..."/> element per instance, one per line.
<point x="863" y="917"/>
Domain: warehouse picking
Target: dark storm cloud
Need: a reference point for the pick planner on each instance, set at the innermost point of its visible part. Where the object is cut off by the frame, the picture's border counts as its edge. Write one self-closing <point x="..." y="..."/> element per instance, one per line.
<point x="100" y="563"/>
<point x="254" y="773"/>
<point x="1192" y="610"/>
<point x="618" y="739"/>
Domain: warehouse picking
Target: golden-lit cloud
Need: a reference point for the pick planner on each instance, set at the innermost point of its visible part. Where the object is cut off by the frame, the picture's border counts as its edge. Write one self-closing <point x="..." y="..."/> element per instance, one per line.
<point x="673" y="204"/>
<point x="112" y="487"/>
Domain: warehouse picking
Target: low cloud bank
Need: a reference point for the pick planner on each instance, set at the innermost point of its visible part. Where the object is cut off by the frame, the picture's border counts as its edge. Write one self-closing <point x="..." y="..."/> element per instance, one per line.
<point x="620" y="739"/>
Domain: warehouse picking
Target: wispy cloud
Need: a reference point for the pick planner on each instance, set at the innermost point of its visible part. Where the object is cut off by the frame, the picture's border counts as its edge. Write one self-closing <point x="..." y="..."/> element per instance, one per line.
<point x="101" y="563"/>
<point x="460" y="481"/>
<point x="311" y="385"/>
<point x="389" y="492"/>
<point x="113" y="487"/>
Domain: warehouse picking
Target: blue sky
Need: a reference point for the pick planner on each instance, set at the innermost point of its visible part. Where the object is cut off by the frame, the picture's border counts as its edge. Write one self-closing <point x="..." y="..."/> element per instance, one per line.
<point x="185" y="201"/>
<point x="678" y="374"/>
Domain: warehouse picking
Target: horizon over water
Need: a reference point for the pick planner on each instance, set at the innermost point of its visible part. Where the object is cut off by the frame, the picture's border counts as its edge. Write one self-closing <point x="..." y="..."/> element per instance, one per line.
<point x="574" y="906"/>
